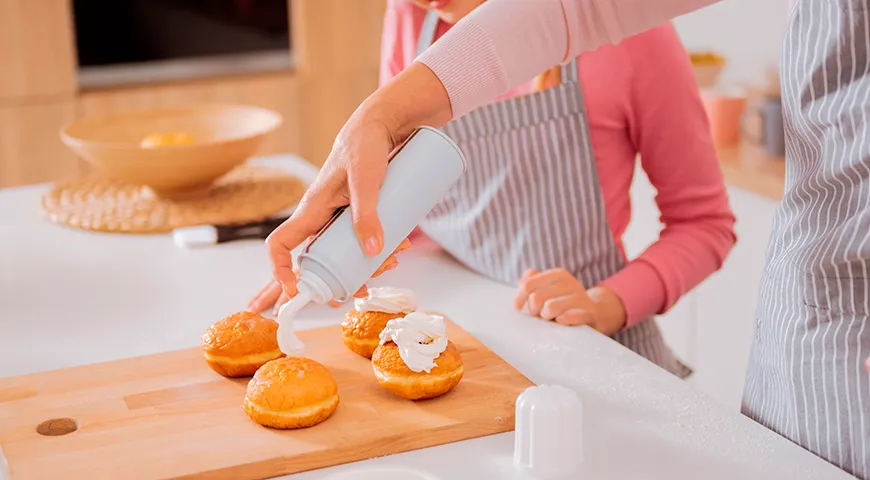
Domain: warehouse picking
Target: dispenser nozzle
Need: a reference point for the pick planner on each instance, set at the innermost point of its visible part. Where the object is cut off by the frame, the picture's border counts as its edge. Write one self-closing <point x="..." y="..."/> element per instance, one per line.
<point x="289" y="310"/>
<point x="287" y="340"/>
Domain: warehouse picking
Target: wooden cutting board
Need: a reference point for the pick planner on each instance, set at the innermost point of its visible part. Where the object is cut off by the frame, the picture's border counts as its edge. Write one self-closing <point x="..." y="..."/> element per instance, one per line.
<point x="169" y="416"/>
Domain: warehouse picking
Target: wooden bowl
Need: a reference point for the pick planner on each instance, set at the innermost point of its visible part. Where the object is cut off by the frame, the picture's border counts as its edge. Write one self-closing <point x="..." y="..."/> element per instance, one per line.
<point x="223" y="136"/>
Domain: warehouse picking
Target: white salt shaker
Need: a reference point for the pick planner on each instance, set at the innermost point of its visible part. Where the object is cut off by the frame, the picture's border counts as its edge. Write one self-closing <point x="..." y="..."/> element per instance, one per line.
<point x="549" y="432"/>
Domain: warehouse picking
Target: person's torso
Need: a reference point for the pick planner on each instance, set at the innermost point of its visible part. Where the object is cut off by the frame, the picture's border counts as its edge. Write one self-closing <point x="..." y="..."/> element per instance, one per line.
<point x="606" y="106"/>
<point x="822" y="228"/>
<point x="530" y="197"/>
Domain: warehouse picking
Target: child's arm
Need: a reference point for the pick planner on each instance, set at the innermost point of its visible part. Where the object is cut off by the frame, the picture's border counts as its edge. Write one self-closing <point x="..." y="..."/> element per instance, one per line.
<point x="668" y="126"/>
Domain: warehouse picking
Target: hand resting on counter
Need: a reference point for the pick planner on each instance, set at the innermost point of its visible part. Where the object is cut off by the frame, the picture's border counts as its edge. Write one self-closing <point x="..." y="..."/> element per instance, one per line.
<point x="558" y="296"/>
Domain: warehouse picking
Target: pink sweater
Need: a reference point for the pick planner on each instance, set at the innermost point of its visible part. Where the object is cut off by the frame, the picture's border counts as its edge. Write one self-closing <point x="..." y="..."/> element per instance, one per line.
<point x="632" y="92"/>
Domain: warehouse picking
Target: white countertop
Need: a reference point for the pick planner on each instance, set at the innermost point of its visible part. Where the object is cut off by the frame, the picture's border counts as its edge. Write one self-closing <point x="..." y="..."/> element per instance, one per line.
<point x="70" y="297"/>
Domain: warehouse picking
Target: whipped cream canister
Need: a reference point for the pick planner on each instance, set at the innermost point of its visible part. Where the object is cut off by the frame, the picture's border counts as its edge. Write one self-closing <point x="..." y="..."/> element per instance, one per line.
<point x="333" y="265"/>
<point x="419" y="174"/>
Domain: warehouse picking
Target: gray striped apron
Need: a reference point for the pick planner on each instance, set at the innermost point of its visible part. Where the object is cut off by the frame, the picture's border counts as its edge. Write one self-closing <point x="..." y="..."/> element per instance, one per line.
<point x="806" y="378"/>
<point x="531" y="199"/>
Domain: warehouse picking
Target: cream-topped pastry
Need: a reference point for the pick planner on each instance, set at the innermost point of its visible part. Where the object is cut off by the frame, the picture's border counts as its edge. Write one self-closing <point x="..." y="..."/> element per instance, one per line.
<point x="420" y="337"/>
<point x="362" y="325"/>
<point x="387" y="300"/>
<point x="415" y="359"/>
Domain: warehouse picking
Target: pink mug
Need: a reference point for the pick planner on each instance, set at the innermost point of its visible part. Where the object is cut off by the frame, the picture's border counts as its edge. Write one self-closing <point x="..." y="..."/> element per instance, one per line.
<point x="725" y="109"/>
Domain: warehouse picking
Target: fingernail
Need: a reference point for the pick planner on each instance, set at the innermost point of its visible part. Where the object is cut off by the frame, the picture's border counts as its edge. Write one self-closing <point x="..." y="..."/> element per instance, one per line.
<point x="372" y="246"/>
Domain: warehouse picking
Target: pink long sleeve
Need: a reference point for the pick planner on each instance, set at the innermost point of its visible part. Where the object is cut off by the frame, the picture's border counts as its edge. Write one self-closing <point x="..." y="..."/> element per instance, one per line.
<point x="505" y="43"/>
<point x="667" y="125"/>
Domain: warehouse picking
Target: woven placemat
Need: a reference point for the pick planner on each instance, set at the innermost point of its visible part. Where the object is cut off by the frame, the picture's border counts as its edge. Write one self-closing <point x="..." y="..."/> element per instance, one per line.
<point x="247" y="193"/>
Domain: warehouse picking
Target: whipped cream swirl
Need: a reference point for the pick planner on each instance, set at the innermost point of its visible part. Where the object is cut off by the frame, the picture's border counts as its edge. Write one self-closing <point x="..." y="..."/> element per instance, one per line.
<point x="420" y="337"/>
<point x="387" y="300"/>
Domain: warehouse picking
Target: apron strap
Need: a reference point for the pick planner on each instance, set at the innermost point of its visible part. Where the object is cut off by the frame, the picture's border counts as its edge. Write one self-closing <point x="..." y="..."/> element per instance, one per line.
<point x="427" y="33"/>
<point x="569" y="72"/>
<point x="427" y="37"/>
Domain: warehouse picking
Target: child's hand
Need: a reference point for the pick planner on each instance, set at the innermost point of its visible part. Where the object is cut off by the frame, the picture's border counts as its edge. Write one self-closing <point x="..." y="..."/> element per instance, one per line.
<point x="557" y="295"/>
<point x="272" y="295"/>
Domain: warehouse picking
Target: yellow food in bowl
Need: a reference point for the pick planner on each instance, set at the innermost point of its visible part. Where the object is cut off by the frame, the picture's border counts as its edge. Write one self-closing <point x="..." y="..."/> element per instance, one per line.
<point x="166" y="140"/>
<point x="706" y="58"/>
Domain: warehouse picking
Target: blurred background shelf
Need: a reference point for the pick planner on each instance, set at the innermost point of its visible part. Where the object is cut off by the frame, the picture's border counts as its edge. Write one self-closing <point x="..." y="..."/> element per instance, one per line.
<point x="747" y="167"/>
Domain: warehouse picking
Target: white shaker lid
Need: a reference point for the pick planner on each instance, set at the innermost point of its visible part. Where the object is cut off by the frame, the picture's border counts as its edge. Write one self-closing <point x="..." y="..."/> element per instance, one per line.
<point x="548" y="442"/>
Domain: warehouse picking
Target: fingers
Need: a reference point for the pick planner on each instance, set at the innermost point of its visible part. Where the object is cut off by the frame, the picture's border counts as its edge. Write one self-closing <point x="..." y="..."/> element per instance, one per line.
<point x="265" y="298"/>
<point x="280" y="301"/>
<point x="536" y="281"/>
<point x="538" y="299"/>
<point x="576" y="317"/>
<point x="546" y="285"/>
<point x="528" y="273"/>
<point x="556" y="306"/>
<point x="362" y="292"/>
<point x="405" y="245"/>
<point x="314" y="210"/>
<point x="390" y="263"/>
<point x="363" y="184"/>
<point x="522" y="295"/>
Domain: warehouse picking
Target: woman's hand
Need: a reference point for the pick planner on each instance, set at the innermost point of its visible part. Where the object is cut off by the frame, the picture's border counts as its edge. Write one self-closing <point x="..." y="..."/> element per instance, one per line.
<point x="272" y="295"/>
<point x="556" y="295"/>
<point x="357" y="164"/>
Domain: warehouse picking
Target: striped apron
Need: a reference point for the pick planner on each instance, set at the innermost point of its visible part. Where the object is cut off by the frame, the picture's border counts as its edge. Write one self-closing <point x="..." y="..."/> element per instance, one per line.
<point x="531" y="199"/>
<point x="806" y="378"/>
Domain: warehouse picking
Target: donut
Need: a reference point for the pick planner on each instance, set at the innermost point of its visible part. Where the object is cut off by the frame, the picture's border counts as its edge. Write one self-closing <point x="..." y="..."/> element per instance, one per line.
<point x="237" y="345"/>
<point x="362" y="325"/>
<point x="415" y="359"/>
<point x="291" y="392"/>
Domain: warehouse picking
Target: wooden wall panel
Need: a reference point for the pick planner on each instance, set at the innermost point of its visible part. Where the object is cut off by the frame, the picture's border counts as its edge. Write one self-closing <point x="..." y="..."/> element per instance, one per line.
<point x="30" y="148"/>
<point x="337" y="48"/>
<point x="37" y="49"/>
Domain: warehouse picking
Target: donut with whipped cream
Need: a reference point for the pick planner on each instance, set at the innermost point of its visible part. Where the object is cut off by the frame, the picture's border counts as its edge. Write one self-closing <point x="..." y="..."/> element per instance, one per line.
<point x="414" y="358"/>
<point x="361" y="327"/>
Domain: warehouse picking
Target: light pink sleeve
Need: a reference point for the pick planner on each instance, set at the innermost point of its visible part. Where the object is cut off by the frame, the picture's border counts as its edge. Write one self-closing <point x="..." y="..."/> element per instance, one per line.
<point x="668" y="126"/>
<point x="505" y="43"/>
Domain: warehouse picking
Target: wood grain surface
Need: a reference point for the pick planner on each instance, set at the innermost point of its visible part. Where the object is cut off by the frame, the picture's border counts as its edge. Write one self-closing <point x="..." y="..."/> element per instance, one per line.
<point x="169" y="416"/>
